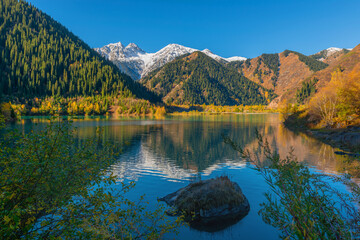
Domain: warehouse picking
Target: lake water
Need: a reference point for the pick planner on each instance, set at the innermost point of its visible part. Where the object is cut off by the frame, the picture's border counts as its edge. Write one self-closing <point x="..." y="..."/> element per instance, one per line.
<point x="163" y="155"/>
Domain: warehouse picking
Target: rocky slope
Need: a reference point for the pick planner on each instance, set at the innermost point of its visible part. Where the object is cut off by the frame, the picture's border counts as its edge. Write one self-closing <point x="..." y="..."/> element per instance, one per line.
<point x="137" y="63"/>
<point x="331" y="54"/>
<point x="282" y="72"/>
<point x="346" y="63"/>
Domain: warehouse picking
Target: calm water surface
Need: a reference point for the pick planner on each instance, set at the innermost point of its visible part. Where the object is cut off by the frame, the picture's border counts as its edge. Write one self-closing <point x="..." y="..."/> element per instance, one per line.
<point x="163" y="155"/>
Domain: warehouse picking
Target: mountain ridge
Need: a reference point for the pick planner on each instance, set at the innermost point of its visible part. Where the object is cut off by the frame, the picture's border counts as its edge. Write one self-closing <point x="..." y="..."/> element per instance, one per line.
<point x="141" y="63"/>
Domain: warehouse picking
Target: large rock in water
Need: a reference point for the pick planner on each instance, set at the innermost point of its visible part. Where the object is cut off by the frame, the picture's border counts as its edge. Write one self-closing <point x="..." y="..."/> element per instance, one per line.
<point x="210" y="205"/>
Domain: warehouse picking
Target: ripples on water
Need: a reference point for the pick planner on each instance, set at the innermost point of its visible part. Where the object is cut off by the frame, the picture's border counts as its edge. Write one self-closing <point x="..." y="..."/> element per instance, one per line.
<point x="167" y="154"/>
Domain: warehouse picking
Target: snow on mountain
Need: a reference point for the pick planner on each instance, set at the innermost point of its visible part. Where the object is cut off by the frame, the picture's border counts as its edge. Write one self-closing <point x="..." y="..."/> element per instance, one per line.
<point x="167" y="54"/>
<point x="332" y="50"/>
<point x="214" y="56"/>
<point x="129" y="59"/>
<point x="324" y="54"/>
<point x="135" y="62"/>
<point x="232" y="59"/>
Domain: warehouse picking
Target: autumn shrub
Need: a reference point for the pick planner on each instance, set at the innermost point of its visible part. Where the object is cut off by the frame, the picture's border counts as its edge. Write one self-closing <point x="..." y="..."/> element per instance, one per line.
<point x="6" y="112"/>
<point x="339" y="101"/>
<point x="303" y="204"/>
<point x="286" y="109"/>
<point x="160" y="111"/>
<point x="131" y="106"/>
<point x="349" y="93"/>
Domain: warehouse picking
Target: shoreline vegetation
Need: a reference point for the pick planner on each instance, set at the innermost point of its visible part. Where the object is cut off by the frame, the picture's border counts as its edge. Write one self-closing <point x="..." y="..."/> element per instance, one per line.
<point x="112" y="106"/>
<point x="331" y="114"/>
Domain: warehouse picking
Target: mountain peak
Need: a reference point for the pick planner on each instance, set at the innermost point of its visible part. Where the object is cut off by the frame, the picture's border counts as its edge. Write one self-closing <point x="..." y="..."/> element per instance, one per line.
<point x="118" y="44"/>
<point x="133" y="50"/>
<point x="178" y="48"/>
<point x="174" y="45"/>
<point x="206" y="51"/>
<point x="333" y="49"/>
<point x="132" y="45"/>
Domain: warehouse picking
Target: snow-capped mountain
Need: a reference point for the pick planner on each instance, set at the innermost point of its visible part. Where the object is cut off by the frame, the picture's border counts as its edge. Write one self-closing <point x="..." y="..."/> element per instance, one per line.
<point x="167" y="54"/>
<point x="135" y="62"/>
<point x="332" y="50"/>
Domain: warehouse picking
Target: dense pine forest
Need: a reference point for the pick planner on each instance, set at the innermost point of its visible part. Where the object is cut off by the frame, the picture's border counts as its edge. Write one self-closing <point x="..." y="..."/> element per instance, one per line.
<point x="40" y="58"/>
<point x="199" y="79"/>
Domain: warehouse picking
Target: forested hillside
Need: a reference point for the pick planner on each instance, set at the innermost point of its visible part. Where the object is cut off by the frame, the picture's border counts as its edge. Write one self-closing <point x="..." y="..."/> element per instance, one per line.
<point x="263" y="69"/>
<point x="39" y="58"/>
<point x="199" y="79"/>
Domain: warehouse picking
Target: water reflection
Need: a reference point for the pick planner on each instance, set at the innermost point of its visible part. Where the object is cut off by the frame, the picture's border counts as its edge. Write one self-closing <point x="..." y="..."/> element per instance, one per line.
<point x="179" y="147"/>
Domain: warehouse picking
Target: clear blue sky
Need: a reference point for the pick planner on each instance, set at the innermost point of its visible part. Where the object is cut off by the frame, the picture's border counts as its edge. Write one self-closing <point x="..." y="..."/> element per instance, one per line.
<point x="227" y="27"/>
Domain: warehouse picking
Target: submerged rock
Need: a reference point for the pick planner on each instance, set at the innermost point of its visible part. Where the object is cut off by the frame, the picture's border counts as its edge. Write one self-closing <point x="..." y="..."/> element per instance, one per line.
<point x="210" y="205"/>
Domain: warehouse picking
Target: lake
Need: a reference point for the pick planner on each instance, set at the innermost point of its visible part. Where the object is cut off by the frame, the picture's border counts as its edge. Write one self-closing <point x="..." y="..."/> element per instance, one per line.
<point x="163" y="155"/>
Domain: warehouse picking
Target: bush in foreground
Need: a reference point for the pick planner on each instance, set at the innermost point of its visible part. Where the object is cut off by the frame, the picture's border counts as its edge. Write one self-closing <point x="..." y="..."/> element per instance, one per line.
<point x="303" y="204"/>
<point x="55" y="186"/>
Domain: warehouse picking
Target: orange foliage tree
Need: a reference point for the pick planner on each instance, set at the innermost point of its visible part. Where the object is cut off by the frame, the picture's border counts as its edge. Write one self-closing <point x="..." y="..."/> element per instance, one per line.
<point x="339" y="101"/>
<point x="349" y="92"/>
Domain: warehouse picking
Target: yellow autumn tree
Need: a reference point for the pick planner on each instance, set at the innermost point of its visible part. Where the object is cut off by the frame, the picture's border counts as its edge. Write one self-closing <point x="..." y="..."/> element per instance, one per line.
<point x="349" y="92"/>
<point x="97" y="109"/>
<point x="5" y="110"/>
<point x="323" y="106"/>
